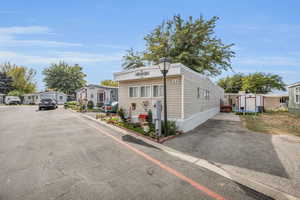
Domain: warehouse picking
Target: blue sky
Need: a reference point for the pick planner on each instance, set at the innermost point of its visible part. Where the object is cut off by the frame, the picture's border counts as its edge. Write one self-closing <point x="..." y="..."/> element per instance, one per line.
<point x="95" y="34"/>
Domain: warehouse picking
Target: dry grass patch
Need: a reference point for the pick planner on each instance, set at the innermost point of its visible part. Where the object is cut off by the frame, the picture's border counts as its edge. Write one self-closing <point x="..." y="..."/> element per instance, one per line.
<point x="273" y="123"/>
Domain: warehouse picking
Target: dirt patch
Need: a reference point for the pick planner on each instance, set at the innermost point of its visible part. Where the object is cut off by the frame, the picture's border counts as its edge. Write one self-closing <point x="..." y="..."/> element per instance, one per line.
<point x="273" y="123"/>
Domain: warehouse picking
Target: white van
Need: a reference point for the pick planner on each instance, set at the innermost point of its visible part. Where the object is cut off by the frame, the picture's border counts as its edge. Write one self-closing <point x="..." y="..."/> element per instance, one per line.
<point x="9" y="100"/>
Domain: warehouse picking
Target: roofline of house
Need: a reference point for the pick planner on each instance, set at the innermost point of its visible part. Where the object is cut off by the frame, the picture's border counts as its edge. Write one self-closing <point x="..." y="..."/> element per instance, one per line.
<point x="102" y="86"/>
<point x="97" y="86"/>
<point x="37" y="93"/>
<point x="294" y="84"/>
<point x="156" y="67"/>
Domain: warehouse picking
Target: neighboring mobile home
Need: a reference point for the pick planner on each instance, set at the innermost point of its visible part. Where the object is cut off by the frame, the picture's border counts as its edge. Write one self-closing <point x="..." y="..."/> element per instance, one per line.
<point x="98" y="94"/>
<point x="32" y="99"/>
<point x="250" y="102"/>
<point x="192" y="98"/>
<point x="35" y="98"/>
<point x="294" y="98"/>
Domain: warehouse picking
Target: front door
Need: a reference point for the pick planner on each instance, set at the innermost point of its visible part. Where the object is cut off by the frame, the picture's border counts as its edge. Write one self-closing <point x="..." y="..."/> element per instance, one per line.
<point x="101" y="97"/>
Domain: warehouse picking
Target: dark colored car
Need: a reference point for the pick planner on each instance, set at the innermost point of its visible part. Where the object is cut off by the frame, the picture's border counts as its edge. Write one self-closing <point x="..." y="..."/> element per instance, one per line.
<point x="47" y="104"/>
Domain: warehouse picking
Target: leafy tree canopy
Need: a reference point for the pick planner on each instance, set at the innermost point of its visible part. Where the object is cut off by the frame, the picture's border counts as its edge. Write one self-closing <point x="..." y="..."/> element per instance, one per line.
<point x="63" y="77"/>
<point x="262" y="83"/>
<point x="109" y="83"/>
<point x="22" y="77"/>
<point x="133" y="59"/>
<point x="190" y="42"/>
<point x="15" y="93"/>
<point x="258" y="82"/>
<point x="5" y="83"/>
<point x="232" y="84"/>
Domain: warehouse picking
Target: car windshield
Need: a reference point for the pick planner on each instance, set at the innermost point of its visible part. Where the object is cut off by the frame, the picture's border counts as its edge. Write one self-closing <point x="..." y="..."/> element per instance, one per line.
<point x="46" y="100"/>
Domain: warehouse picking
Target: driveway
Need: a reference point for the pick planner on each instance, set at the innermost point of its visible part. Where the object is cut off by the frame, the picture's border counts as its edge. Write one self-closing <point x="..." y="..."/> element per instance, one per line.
<point x="270" y="159"/>
<point x="59" y="155"/>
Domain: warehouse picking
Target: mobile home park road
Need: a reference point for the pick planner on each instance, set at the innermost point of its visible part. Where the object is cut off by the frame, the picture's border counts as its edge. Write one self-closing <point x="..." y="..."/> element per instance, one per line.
<point x="57" y="154"/>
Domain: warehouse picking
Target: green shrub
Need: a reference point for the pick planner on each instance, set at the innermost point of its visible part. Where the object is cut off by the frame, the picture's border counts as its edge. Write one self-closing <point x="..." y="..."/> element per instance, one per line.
<point x="150" y="117"/>
<point x="90" y="104"/>
<point x="171" y="126"/>
<point x="71" y="103"/>
<point x="121" y="114"/>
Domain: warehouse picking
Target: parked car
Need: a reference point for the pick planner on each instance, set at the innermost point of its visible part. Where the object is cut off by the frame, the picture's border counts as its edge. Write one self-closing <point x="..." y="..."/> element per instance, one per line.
<point x="47" y="104"/>
<point x="12" y="100"/>
<point x="111" y="107"/>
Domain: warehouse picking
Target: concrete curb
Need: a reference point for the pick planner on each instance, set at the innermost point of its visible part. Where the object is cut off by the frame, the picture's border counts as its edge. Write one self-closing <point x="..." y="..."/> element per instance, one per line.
<point x="257" y="186"/>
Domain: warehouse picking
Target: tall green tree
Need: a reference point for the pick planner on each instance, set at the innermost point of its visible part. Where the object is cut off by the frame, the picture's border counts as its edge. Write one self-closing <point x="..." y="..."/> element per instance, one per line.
<point x="262" y="83"/>
<point x="109" y="83"/>
<point x="232" y="84"/>
<point x="258" y="82"/>
<point x="63" y="77"/>
<point x="22" y="77"/>
<point x="190" y="42"/>
<point x="6" y="83"/>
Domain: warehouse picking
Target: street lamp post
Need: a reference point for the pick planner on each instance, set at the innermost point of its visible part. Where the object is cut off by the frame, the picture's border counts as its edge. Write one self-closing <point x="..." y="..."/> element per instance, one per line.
<point x="164" y="65"/>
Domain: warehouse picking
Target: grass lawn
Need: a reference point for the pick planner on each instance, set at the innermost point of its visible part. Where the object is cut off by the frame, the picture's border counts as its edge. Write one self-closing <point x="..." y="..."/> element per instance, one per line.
<point x="273" y="123"/>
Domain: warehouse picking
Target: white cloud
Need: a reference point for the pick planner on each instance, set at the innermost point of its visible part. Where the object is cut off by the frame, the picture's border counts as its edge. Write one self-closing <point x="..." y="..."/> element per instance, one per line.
<point x="8" y="37"/>
<point x="269" y="61"/>
<point x="25" y="30"/>
<point x="112" y="46"/>
<point x="70" y="57"/>
<point x="9" y="42"/>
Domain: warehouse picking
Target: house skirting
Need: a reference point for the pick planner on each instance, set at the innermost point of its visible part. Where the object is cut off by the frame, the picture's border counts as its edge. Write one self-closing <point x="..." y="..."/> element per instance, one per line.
<point x="295" y="111"/>
<point x="191" y="122"/>
<point x="196" y="119"/>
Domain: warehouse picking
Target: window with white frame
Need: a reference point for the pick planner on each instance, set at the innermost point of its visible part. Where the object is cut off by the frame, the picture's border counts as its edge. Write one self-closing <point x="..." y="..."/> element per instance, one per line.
<point x="133" y="91"/>
<point x="145" y="91"/>
<point x="297" y="95"/>
<point x="157" y="90"/>
<point x="206" y="94"/>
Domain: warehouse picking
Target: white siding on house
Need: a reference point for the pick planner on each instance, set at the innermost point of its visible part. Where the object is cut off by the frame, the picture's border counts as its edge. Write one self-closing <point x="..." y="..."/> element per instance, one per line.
<point x="173" y="98"/>
<point x="191" y="97"/>
<point x="200" y="94"/>
<point x="97" y="94"/>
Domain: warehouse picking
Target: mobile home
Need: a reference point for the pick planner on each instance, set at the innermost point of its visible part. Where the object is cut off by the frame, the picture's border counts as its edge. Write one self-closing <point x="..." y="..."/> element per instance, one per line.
<point x="294" y="98"/>
<point x="32" y="99"/>
<point x="192" y="97"/>
<point x="98" y="94"/>
<point x="35" y="98"/>
<point x="249" y="102"/>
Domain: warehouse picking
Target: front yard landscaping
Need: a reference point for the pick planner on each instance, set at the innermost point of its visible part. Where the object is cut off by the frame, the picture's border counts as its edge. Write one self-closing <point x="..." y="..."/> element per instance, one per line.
<point x="280" y="122"/>
<point x="144" y="127"/>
